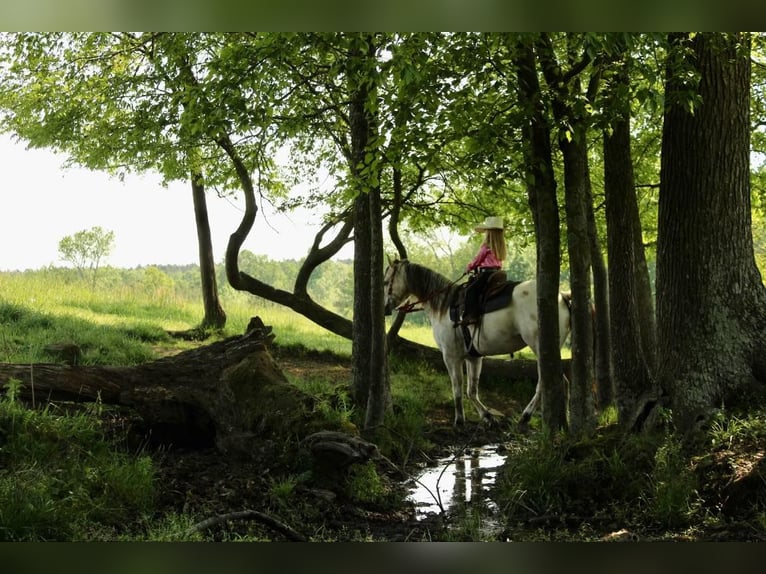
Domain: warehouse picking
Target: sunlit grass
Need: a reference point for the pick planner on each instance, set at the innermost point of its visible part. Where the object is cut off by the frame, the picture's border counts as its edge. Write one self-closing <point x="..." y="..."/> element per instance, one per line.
<point x="43" y="308"/>
<point x="68" y="309"/>
<point x="48" y="292"/>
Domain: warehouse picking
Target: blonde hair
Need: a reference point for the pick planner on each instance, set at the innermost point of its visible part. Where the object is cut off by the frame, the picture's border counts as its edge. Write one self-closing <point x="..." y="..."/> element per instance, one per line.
<point x="495" y="240"/>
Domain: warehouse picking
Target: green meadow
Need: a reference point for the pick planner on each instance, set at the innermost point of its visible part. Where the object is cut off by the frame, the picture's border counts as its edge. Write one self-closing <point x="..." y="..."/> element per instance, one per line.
<point x="125" y="319"/>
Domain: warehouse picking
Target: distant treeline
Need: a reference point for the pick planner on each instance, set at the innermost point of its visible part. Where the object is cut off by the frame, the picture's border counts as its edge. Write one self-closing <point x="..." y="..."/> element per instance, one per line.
<point x="331" y="284"/>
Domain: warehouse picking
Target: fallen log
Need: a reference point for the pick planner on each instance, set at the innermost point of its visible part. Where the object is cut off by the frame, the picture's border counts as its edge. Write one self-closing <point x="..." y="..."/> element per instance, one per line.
<point x="221" y="394"/>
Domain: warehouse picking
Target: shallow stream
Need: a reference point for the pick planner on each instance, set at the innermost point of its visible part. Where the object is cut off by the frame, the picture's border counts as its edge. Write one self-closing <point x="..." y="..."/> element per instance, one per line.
<point x="457" y="481"/>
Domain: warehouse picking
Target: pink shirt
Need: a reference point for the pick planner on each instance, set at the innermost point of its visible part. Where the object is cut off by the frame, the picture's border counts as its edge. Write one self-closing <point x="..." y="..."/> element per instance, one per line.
<point x="484" y="258"/>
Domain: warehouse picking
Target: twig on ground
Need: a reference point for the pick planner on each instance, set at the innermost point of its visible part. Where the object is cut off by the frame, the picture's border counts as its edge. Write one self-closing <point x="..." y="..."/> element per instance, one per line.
<point x="261" y="517"/>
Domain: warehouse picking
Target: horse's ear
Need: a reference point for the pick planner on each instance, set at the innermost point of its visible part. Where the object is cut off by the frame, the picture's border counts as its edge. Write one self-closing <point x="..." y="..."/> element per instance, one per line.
<point x="390" y="261"/>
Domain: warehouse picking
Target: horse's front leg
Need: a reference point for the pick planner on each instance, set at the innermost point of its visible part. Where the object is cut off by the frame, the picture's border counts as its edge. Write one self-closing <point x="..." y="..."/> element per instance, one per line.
<point x="473" y="368"/>
<point x="455" y="370"/>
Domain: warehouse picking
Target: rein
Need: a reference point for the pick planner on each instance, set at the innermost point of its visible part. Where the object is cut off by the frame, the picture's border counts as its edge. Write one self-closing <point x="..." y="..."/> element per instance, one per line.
<point x="410" y="307"/>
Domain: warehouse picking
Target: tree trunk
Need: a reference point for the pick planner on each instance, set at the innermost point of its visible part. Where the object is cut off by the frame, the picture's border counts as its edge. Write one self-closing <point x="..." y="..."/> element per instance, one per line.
<point x="215" y="317"/>
<point x="573" y="145"/>
<point x="581" y="399"/>
<point x="632" y="353"/>
<point x="600" y="310"/>
<point x="711" y="302"/>
<point x="379" y="399"/>
<point x="318" y="254"/>
<point x="222" y="394"/>
<point x="541" y="190"/>
<point x="392" y="337"/>
<point x="369" y="365"/>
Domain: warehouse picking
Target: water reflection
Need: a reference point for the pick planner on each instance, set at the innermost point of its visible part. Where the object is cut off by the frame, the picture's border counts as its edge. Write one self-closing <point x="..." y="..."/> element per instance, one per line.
<point x="456" y="481"/>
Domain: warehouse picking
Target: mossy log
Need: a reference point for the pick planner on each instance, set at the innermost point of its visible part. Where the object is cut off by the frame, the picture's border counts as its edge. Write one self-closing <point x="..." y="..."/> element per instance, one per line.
<point x="222" y="394"/>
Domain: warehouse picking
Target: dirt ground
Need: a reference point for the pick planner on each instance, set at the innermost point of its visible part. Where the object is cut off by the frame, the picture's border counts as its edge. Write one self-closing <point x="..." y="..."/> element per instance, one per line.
<point x="207" y="484"/>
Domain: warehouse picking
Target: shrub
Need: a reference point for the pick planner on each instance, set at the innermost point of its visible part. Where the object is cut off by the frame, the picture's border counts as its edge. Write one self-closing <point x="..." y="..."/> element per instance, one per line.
<point x="611" y="474"/>
<point x="364" y="484"/>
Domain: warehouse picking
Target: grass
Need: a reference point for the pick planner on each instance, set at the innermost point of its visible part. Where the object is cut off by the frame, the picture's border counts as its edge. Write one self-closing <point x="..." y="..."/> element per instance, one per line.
<point x="127" y="324"/>
<point x="655" y="484"/>
<point x="61" y="478"/>
<point x="38" y="308"/>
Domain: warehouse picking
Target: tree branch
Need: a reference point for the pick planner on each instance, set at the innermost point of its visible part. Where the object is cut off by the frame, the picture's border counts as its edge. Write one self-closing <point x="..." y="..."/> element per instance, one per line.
<point x="318" y="255"/>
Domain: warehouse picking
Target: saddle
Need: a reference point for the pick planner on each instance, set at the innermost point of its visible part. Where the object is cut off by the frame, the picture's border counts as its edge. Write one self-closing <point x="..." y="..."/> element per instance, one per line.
<point x="496" y="295"/>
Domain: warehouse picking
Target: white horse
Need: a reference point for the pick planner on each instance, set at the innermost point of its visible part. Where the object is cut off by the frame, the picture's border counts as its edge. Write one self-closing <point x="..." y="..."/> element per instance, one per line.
<point x="504" y="331"/>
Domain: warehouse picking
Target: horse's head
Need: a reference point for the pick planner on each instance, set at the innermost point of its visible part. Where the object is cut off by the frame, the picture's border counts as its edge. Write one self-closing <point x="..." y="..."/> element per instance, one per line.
<point x="395" y="283"/>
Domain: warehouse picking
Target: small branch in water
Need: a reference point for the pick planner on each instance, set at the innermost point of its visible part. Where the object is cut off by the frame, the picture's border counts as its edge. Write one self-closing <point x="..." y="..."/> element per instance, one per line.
<point x="458" y="453"/>
<point x="269" y="521"/>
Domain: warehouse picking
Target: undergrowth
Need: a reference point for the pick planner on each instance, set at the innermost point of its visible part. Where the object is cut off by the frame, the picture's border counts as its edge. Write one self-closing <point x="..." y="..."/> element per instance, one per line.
<point x="62" y="479"/>
<point x="654" y="483"/>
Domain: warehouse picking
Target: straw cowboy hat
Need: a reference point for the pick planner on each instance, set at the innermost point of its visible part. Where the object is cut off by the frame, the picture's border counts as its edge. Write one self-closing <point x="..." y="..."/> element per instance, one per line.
<point x="491" y="222"/>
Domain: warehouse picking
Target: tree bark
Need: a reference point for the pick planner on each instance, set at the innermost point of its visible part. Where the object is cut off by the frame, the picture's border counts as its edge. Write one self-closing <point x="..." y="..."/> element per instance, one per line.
<point x="573" y="145"/>
<point x="632" y="347"/>
<point x="379" y="400"/>
<point x="600" y="314"/>
<point x="223" y="394"/>
<point x="581" y="399"/>
<point x="392" y="337"/>
<point x="541" y="191"/>
<point x="711" y="302"/>
<point x="215" y="317"/>
<point x="318" y="254"/>
<point x="368" y="357"/>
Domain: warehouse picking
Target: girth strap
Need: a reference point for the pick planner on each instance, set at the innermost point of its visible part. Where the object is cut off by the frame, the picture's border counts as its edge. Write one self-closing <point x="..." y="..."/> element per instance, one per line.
<point x="470" y="349"/>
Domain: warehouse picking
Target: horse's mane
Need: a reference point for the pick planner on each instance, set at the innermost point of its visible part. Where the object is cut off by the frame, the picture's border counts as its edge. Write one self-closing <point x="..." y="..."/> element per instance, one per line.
<point x="431" y="285"/>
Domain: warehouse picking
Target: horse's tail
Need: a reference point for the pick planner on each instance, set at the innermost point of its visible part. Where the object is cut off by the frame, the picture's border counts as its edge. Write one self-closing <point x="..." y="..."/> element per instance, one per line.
<point x="567" y="297"/>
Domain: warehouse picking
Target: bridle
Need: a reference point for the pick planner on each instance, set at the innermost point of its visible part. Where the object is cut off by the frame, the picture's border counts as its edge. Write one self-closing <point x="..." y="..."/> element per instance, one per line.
<point x="411" y="307"/>
<point x="408" y="307"/>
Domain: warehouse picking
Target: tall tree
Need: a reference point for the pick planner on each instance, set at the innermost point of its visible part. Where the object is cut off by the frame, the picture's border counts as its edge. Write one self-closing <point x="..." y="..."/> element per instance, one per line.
<point x="711" y="301"/>
<point x="632" y="332"/>
<point x="215" y="316"/>
<point x="370" y="370"/>
<point x="541" y="188"/>
<point x="572" y="125"/>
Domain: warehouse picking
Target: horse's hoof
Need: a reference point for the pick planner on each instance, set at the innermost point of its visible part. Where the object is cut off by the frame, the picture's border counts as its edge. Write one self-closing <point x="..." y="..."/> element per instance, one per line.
<point x="490" y="420"/>
<point x="493" y="418"/>
<point x="524" y="424"/>
<point x="459" y="423"/>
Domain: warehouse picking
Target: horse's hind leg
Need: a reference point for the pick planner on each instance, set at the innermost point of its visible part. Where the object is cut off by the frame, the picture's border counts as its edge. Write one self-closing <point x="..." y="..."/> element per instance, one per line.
<point x="526" y="414"/>
<point x="529" y="410"/>
<point x="474" y="372"/>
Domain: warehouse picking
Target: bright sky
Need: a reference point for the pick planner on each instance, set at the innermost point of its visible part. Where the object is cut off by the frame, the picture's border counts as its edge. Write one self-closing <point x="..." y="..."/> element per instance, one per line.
<point x="41" y="202"/>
